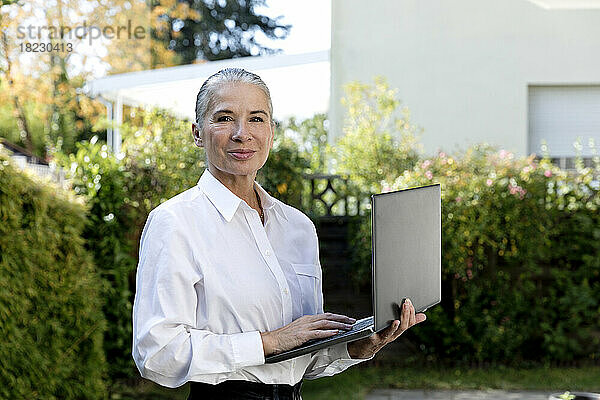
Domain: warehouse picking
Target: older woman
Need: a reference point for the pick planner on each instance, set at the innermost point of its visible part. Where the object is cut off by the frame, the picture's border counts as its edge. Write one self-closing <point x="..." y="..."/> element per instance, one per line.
<point x="228" y="274"/>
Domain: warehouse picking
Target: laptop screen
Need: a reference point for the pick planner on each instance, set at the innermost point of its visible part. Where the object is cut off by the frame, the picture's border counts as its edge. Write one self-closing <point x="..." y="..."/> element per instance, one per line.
<point x="406" y="250"/>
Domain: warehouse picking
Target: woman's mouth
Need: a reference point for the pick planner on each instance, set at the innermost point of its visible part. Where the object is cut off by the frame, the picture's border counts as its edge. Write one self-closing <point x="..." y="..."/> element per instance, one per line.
<point x="242" y="155"/>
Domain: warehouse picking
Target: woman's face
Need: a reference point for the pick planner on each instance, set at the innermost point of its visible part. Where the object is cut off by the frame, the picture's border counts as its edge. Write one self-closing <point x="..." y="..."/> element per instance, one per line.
<point x="237" y="133"/>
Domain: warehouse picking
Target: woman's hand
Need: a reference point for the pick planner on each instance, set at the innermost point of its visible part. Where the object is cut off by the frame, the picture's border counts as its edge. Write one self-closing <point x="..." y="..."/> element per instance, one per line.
<point x="302" y="330"/>
<point x="366" y="348"/>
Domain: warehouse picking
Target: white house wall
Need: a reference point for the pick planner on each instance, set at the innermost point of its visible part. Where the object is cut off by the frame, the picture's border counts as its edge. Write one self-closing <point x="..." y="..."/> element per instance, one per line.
<point x="463" y="67"/>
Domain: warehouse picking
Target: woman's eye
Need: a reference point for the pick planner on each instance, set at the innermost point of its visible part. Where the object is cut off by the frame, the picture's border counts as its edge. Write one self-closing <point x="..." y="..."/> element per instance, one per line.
<point x="256" y="119"/>
<point x="224" y="118"/>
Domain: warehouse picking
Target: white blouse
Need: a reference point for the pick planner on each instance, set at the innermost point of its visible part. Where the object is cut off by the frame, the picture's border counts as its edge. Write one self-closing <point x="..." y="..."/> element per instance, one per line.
<point x="211" y="277"/>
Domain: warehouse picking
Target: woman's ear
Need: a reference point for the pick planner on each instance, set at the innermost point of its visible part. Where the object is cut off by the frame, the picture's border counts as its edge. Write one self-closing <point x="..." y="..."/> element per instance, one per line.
<point x="272" y="136"/>
<point x="196" y="132"/>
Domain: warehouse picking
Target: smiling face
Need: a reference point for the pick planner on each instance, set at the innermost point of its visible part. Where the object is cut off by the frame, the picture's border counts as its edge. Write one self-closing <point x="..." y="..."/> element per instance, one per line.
<point x="236" y="132"/>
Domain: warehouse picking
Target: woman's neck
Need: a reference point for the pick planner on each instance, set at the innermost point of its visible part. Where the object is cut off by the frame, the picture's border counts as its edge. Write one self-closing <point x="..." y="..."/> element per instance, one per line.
<point x="240" y="185"/>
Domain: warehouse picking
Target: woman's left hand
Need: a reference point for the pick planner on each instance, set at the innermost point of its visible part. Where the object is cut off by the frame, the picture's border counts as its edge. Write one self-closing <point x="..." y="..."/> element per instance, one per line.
<point x="366" y="348"/>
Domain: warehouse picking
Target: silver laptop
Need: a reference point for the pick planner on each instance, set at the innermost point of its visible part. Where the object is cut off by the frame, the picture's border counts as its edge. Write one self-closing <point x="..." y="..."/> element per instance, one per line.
<point x="406" y="253"/>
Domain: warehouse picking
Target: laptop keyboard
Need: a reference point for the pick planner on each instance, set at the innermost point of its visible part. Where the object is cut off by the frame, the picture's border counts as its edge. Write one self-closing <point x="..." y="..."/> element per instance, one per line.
<point x="358" y="326"/>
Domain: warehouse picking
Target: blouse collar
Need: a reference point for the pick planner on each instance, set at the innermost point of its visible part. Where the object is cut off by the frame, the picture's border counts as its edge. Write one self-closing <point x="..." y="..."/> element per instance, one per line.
<point x="227" y="203"/>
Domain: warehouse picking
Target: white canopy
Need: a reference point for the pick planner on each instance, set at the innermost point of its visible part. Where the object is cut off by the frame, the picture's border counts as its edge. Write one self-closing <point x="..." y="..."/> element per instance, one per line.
<point x="299" y="84"/>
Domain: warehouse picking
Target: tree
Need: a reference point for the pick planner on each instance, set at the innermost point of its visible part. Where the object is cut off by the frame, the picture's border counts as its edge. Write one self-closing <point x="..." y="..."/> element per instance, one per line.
<point x="218" y="30"/>
<point x="19" y="111"/>
<point x="41" y="85"/>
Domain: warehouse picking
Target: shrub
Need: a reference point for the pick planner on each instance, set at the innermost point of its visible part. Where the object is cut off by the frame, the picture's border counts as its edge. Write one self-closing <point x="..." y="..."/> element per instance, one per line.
<point x="102" y="181"/>
<point x="379" y="141"/>
<point x="310" y="137"/>
<point x="282" y="174"/>
<point x="50" y="319"/>
<point x="520" y="259"/>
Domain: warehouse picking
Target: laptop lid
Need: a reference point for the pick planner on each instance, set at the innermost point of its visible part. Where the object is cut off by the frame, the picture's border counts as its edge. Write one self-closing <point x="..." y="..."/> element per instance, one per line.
<point x="406" y="251"/>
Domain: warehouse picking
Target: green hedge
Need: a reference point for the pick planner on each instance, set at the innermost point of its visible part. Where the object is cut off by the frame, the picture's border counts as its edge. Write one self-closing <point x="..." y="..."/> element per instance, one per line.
<point x="103" y="182"/>
<point x="520" y="259"/>
<point x="51" y="322"/>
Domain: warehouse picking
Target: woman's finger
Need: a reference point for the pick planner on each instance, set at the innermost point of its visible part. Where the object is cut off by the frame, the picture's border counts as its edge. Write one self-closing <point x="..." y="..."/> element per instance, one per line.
<point x="396" y="334"/>
<point x="405" y="315"/>
<point x="388" y="333"/>
<point x="420" y="317"/>
<point x="322" y="334"/>
<point x="334" y="317"/>
<point x="329" y="324"/>
<point x="412" y="319"/>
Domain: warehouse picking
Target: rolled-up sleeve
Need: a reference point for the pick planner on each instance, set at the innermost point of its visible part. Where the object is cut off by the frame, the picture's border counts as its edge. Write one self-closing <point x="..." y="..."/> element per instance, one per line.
<point x="169" y="346"/>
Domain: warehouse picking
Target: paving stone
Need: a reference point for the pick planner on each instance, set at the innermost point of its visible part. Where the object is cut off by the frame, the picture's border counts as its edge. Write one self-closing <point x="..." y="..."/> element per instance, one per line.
<point x="395" y="394"/>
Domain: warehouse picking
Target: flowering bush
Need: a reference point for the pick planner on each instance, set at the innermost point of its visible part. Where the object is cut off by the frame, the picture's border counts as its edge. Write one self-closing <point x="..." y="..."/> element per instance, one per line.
<point x="520" y="258"/>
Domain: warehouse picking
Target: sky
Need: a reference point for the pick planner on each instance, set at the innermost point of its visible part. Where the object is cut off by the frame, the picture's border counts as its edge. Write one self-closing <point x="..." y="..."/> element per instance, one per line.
<point x="311" y="25"/>
<point x="310" y="32"/>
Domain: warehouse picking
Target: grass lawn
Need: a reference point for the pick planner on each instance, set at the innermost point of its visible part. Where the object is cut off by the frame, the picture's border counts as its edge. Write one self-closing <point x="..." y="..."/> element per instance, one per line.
<point x="356" y="382"/>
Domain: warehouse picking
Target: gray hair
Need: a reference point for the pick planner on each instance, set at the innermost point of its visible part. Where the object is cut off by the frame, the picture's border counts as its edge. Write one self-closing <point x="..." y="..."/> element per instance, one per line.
<point x="206" y="95"/>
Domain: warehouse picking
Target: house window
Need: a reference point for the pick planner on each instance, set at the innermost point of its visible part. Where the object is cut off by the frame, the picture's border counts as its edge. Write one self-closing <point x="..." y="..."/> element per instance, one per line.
<point x="567" y="120"/>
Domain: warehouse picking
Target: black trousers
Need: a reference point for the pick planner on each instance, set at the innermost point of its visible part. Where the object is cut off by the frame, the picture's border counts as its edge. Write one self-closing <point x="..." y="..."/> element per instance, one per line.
<point x="243" y="390"/>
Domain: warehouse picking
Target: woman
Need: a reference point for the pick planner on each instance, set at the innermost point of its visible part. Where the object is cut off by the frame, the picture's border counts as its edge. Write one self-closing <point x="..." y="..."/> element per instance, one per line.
<point x="228" y="274"/>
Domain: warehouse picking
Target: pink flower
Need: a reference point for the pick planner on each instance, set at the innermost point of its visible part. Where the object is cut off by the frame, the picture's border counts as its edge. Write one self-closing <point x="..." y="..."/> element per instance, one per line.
<point x="470" y="274"/>
<point x="442" y="154"/>
<point x="429" y="175"/>
<point x="458" y="199"/>
<point x="489" y="182"/>
<point x="502" y="153"/>
<point x="517" y="190"/>
<point x="548" y="173"/>
<point x="426" y="164"/>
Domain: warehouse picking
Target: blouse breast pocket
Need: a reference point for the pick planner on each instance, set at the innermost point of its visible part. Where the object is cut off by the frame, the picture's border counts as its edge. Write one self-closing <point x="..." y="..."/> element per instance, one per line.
<point x="308" y="278"/>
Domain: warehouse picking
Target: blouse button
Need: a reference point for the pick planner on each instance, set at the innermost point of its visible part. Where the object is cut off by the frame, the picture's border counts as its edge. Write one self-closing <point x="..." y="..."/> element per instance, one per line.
<point x="268" y="252"/>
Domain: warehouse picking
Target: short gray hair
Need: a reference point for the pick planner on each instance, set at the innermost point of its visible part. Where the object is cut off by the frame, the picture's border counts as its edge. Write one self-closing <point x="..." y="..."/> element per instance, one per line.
<point x="206" y="94"/>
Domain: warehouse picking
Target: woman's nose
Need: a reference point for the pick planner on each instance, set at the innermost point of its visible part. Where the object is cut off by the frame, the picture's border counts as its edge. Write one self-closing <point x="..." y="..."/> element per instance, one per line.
<point x="241" y="132"/>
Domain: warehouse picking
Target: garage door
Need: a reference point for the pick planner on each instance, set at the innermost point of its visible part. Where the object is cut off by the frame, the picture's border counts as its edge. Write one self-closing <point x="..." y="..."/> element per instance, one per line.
<point x="562" y="115"/>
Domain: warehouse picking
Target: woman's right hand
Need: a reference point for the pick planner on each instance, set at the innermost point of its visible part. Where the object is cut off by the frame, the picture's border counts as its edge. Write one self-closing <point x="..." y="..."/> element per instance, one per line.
<point x="305" y="328"/>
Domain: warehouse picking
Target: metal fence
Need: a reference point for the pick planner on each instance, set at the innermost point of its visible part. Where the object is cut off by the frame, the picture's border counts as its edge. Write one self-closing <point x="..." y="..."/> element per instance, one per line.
<point x="334" y="195"/>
